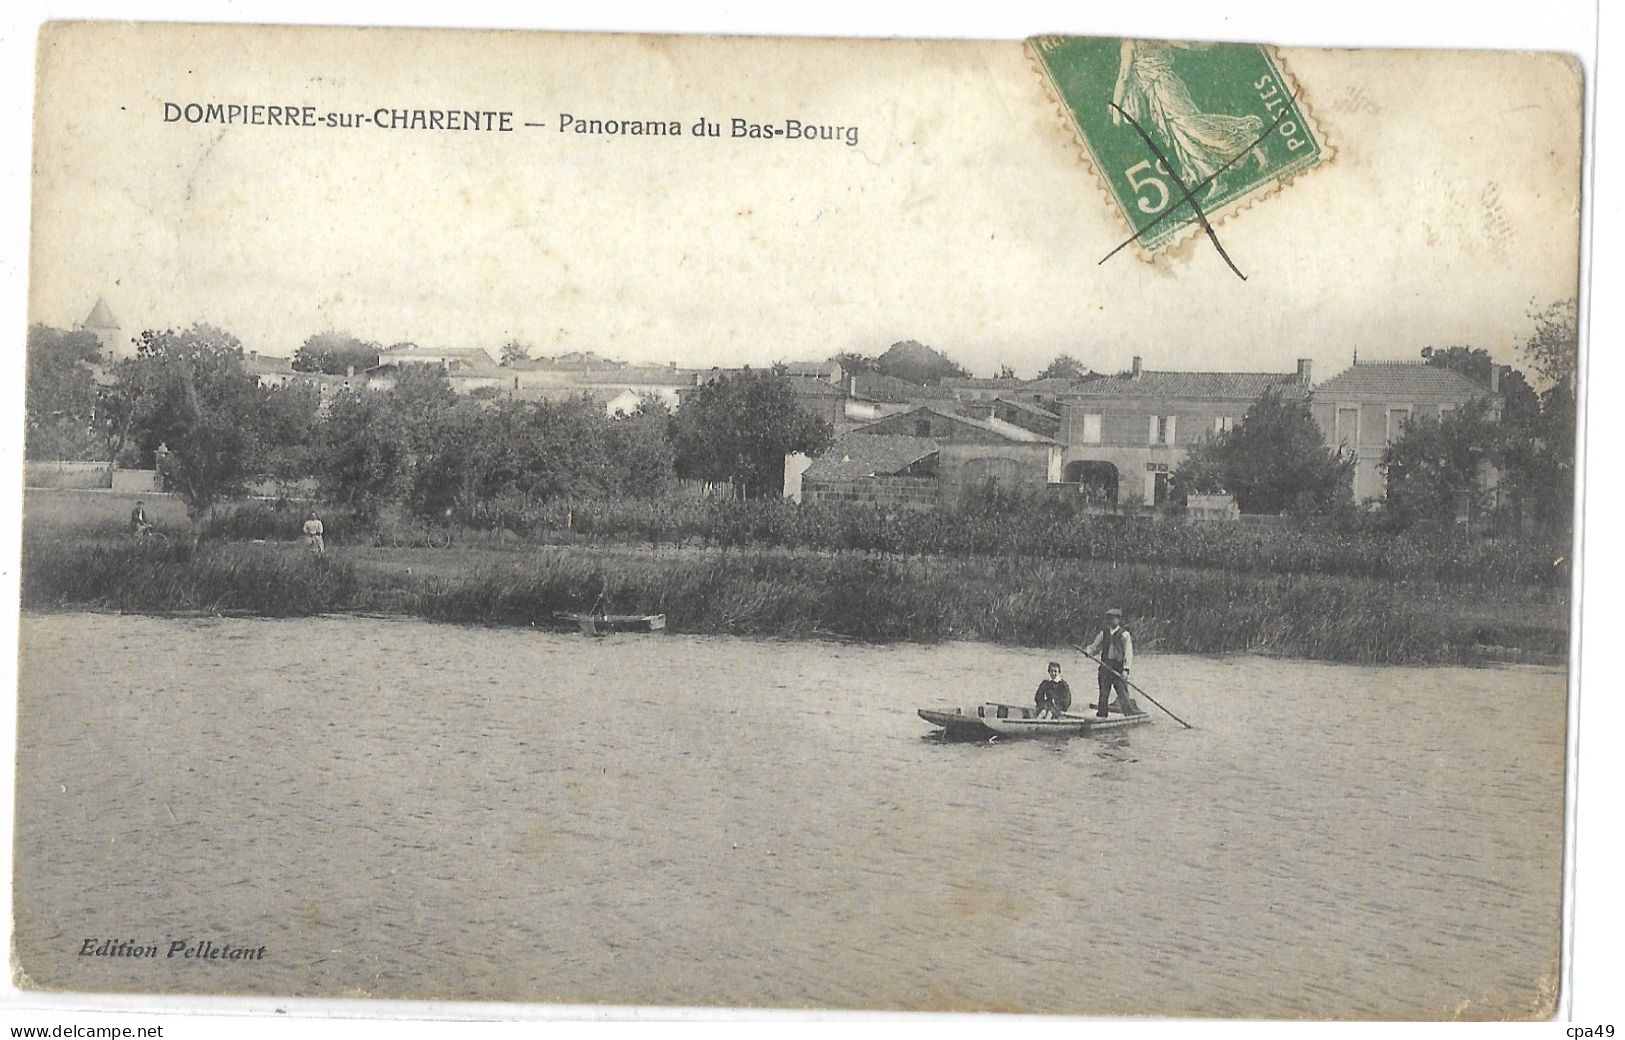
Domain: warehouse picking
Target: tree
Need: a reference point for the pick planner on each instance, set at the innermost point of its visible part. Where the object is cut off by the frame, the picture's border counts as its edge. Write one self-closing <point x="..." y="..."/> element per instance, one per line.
<point x="644" y="463"/>
<point x="120" y="408"/>
<point x="458" y="459"/>
<point x="513" y="350"/>
<point x="916" y="363"/>
<point x="422" y="393"/>
<point x="335" y="353"/>
<point x="855" y="364"/>
<point x="1520" y="403"/>
<point x="741" y="427"/>
<point x="289" y="430"/>
<point x="1539" y="452"/>
<point x="564" y="448"/>
<point x="1437" y="466"/>
<point x="361" y="452"/>
<point x="1553" y="348"/>
<point x="206" y="409"/>
<point x="1274" y="460"/>
<point x="1065" y="366"/>
<point x="60" y="412"/>
<point x="1006" y="372"/>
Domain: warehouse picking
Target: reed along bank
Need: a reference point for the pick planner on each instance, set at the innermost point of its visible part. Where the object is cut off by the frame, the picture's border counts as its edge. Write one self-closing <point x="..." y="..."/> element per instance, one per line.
<point x="800" y="594"/>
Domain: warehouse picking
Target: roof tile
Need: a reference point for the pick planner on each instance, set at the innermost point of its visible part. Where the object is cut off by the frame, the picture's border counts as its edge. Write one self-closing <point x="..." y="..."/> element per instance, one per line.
<point x="868" y="455"/>
<point x="1400" y="379"/>
<point x="1246" y="385"/>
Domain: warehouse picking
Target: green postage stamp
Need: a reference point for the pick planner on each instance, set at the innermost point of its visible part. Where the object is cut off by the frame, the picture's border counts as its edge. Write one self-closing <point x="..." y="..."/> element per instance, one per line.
<point x="1225" y="116"/>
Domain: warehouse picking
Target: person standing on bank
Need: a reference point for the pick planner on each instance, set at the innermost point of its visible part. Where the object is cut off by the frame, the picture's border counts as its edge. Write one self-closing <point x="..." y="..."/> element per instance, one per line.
<point x="314" y="532"/>
<point x="1054" y="696"/>
<point x="1114" y="646"/>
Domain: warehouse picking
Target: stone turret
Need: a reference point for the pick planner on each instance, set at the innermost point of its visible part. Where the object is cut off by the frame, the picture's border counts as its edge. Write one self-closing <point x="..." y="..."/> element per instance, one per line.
<point x="101" y="323"/>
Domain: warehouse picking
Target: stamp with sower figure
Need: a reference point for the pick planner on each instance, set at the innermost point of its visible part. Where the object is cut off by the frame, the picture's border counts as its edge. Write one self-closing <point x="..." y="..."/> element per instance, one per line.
<point x="1167" y="124"/>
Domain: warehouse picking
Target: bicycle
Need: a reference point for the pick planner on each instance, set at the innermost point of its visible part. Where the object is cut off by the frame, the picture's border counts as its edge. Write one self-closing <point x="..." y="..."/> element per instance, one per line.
<point x="148" y="534"/>
<point x="422" y="533"/>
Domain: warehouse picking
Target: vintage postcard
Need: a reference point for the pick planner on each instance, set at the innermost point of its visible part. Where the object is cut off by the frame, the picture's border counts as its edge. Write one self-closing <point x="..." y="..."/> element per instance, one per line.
<point x="1073" y="526"/>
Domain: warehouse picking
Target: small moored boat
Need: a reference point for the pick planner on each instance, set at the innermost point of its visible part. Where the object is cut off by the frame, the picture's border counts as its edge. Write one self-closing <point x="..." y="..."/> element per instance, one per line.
<point x="603" y="624"/>
<point x="1014" y="720"/>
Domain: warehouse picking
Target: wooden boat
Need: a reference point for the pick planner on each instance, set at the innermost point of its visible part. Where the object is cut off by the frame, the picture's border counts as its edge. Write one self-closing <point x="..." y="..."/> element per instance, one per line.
<point x="990" y="720"/>
<point x="603" y="624"/>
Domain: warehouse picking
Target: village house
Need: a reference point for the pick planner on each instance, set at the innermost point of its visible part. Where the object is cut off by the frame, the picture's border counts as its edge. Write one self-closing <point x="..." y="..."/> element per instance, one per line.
<point x="1032" y="417"/>
<point x="1365" y="407"/>
<point x="970" y="388"/>
<point x="467" y="368"/>
<point x="1050" y="391"/>
<point x="957" y="453"/>
<point x="1125" y="435"/>
<point x="818" y="388"/>
<point x="276" y="370"/>
<point x="829" y="371"/>
<point x="871" y="468"/>
<point x="872" y="396"/>
<point x="576" y="373"/>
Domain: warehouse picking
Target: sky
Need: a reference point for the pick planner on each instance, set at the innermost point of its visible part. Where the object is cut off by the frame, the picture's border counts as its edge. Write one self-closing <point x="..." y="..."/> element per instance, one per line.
<point x="966" y="216"/>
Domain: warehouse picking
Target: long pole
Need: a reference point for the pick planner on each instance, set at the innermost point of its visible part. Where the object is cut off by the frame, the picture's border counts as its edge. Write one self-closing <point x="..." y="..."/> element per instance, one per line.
<point x="1131" y="685"/>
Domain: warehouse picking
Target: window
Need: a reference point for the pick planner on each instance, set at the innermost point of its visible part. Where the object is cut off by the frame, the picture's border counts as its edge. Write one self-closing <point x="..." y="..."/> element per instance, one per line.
<point x="1397" y="418"/>
<point x="1224" y="423"/>
<point x="1348" y="427"/>
<point x="1091" y="429"/>
<point x="1445" y="410"/>
<point x="1162" y="429"/>
<point x="922" y="427"/>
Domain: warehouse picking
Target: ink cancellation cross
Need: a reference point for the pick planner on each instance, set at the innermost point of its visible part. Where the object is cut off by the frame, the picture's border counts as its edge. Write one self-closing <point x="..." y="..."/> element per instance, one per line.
<point x="1189" y="193"/>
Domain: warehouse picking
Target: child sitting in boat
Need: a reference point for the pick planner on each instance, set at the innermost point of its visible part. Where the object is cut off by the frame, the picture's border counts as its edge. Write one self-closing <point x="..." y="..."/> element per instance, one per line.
<point x="1054" y="696"/>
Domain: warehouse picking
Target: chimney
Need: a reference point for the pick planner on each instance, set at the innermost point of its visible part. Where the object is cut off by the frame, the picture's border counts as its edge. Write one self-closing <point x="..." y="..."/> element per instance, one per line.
<point x="1495" y="379"/>
<point x="1139" y="366"/>
<point x="1306" y="372"/>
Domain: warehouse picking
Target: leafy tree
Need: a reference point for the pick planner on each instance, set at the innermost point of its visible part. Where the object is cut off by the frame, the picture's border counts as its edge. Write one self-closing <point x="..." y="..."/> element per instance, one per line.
<point x="456" y="459"/>
<point x="361" y="452"/>
<point x="423" y="390"/>
<point x="205" y="408"/>
<point x="741" y="427"/>
<point x="1274" y="460"/>
<point x="562" y="448"/>
<point x="1065" y="366"/>
<point x="1553" y="348"/>
<point x="335" y="353"/>
<point x="916" y="363"/>
<point x="1437" y="465"/>
<point x="289" y="430"/>
<point x="61" y="394"/>
<point x="1006" y="372"/>
<point x="120" y="408"/>
<point x="644" y="463"/>
<point x="855" y="364"/>
<point x="513" y="350"/>
<point x="1521" y="404"/>
<point x="1538" y="451"/>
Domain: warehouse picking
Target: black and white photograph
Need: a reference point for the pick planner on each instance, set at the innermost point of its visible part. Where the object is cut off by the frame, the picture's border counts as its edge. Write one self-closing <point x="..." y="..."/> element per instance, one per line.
<point x="1082" y="525"/>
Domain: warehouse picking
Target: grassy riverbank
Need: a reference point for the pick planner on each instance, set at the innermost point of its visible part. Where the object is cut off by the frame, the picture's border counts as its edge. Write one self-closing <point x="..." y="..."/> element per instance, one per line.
<point x="805" y="595"/>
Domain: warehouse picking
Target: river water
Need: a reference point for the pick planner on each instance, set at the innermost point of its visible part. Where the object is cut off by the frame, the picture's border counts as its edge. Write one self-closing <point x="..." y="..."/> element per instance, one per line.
<point x="403" y="809"/>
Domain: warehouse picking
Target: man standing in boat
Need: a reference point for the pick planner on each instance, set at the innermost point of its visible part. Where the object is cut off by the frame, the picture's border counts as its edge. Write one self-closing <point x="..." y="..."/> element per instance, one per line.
<point x="1114" y="647"/>
<point x="1054" y="696"/>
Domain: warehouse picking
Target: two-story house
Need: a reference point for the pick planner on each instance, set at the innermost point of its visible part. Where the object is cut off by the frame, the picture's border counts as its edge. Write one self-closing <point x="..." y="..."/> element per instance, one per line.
<point x="1365" y="407"/>
<point x="1123" y="436"/>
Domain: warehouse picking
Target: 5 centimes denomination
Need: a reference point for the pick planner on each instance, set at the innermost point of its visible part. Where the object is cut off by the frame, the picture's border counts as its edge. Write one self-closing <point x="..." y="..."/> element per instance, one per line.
<point x="1229" y="123"/>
